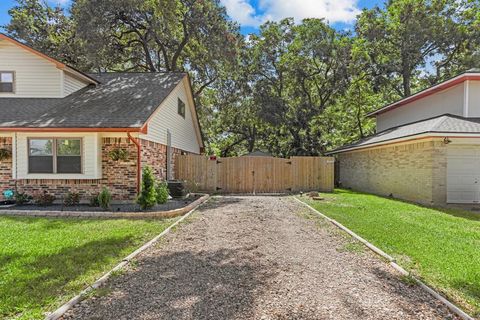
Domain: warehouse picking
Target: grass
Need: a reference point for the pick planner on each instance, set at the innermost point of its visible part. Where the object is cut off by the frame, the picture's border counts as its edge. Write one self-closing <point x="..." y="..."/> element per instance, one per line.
<point x="440" y="246"/>
<point x="44" y="262"/>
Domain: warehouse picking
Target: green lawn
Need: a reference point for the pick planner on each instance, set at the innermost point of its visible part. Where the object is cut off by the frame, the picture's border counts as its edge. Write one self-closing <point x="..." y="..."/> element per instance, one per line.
<point x="442" y="247"/>
<point x="44" y="262"/>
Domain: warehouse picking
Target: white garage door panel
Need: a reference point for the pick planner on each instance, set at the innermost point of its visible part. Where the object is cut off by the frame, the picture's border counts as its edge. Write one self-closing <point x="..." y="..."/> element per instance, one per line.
<point x="463" y="175"/>
<point x="461" y="197"/>
<point x="462" y="165"/>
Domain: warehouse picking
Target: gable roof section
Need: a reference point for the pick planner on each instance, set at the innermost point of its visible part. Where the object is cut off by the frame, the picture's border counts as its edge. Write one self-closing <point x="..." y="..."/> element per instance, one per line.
<point x="122" y="100"/>
<point x="60" y="65"/>
<point x="472" y="74"/>
<point x="444" y="124"/>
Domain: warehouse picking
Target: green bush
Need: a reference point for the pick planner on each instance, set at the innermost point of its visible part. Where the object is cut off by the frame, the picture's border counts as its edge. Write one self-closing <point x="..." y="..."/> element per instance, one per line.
<point x="148" y="195"/>
<point x="104" y="198"/>
<point x="118" y="154"/>
<point x="43" y="199"/>
<point x="94" y="200"/>
<point x="22" y="198"/>
<point x="71" y="199"/>
<point x="162" y="192"/>
<point x="5" y="154"/>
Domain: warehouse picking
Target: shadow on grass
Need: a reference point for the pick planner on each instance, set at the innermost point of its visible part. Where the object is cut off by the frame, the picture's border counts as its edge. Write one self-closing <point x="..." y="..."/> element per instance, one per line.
<point x="7" y="258"/>
<point x="464" y="213"/>
<point x="472" y="291"/>
<point x="48" y="223"/>
<point x="214" y="284"/>
<point x="39" y="282"/>
<point x="460" y="213"/>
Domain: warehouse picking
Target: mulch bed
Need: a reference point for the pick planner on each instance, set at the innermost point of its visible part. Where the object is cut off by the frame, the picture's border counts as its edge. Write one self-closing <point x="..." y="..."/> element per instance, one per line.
<point x="172" y="204"/>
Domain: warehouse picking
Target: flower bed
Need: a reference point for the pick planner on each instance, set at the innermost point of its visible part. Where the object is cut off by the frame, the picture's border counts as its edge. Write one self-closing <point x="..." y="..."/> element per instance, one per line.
<point x="173" y="207"/>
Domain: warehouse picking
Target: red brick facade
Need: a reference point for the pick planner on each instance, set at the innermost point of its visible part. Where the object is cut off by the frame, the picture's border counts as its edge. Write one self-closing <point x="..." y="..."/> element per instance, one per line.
<point x="119" y="176"/>
<point x="6" y="181"/>
<point x="155" y="155"/>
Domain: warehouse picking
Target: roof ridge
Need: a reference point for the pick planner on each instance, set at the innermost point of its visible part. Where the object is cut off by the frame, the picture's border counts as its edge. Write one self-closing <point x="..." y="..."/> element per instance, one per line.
<point x="441" y="120"/>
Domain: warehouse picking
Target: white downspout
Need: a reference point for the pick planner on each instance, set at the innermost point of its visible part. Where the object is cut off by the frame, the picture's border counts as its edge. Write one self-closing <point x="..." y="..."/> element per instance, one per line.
<point x="466" y="86"/>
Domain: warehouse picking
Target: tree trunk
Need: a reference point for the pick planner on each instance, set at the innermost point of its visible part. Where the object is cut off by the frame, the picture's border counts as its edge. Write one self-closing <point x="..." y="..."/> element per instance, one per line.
<point x="406" y="83"/>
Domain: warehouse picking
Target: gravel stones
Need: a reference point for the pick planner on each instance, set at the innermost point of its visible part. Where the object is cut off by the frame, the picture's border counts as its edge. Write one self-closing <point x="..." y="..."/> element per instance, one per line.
<point x="258" y="258"/>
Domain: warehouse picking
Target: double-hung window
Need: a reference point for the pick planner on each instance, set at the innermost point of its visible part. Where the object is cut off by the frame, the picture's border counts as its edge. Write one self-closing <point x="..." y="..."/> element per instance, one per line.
<point x="6" y="81"/>
<point x="50" y="155"/>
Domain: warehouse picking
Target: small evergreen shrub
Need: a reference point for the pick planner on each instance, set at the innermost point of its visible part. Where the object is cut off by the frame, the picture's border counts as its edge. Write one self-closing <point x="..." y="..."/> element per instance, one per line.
<point x="44" y="199"/>
<point x="22" y="198"/>
<point x="104" y="198"/>
<point x="71" y="199"/>
<point x="94" y="200"/>
<point x="162" y="192"/>
<point x="148" y="195"/>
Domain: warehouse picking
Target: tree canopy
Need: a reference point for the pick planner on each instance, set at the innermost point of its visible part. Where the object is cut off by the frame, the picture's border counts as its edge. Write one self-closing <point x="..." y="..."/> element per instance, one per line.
<point x="294" y="88"/>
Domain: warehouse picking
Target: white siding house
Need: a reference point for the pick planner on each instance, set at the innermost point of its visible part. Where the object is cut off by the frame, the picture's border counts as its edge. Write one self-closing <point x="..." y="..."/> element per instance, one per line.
<point x="447" y="101"/>
<point x="35" y="77"/>
<point x="113" y="111"/>
<point x="184" y="135"/>
<point x="72" y="84"/>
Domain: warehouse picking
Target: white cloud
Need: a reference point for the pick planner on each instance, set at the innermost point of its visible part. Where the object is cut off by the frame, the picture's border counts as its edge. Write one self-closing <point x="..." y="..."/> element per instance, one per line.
<point x="242" y="12"/>
<point x="332" y="10"/>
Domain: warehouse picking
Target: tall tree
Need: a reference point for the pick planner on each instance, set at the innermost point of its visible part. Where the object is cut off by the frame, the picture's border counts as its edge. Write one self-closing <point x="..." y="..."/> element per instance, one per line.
<point x="403" y="38"/>
<point x="301" y="69"/>
<point x="47" y="29"/>
<point x="160" y="35"/>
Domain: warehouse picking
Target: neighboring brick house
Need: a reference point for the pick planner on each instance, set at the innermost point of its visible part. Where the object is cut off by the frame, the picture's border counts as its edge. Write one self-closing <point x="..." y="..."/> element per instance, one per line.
<point x="426" y="149"/>
<point x="61" y="125"/>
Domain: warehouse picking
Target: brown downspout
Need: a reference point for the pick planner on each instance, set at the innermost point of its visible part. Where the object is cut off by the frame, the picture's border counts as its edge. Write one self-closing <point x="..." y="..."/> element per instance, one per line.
<point x="138" y="159"/>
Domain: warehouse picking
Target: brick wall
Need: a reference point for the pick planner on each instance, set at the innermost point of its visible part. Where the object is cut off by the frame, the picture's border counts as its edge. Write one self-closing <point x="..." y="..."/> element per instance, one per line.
<point x="6" y="181"/>
<point x="118" y="176"/>
<point x="155" y="155"/>
<point x="414" y="171"/>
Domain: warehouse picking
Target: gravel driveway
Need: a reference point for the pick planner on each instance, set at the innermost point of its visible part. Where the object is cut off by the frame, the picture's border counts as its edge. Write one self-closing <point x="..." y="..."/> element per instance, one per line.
<point x="258" y="258"/>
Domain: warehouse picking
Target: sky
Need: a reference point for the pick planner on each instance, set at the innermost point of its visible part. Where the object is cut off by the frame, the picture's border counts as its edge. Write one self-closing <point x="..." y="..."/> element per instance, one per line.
<point x="251" y="13"/>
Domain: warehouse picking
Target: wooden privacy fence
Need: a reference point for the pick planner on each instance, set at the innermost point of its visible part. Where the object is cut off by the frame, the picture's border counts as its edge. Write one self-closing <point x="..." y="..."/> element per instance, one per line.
<point x="256" y="174"/>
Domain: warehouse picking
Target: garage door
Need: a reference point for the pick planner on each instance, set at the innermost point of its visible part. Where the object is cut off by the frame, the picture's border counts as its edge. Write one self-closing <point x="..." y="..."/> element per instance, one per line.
<point x="463" y="175"/>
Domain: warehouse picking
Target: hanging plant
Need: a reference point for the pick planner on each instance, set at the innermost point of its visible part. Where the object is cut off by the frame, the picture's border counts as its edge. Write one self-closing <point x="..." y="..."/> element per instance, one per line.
<point x="5" y="154"/>
<point x="118" y="154"/>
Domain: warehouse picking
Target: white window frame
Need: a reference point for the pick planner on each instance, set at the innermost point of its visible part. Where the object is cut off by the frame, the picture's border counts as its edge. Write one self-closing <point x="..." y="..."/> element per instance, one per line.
<point x="13" y="81"/>
<point x="54" y="155"/>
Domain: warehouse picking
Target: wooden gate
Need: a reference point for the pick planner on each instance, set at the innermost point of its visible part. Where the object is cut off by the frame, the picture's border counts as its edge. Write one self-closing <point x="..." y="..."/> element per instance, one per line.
<point x="255" y="174"/>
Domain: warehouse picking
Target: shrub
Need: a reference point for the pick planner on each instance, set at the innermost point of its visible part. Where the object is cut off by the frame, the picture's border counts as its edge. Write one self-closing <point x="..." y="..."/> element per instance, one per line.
<point x="22" y="198"/>
<point x="71" y="199"/>
<point x="43" y="199"/>
<point x="118" y="154"/>
<point x="94" y="200"/>
<point x="5" y="154"/>
<point x="148" y="195"/>
<point x="104" y="198"/>
<point x="162" y="192"/>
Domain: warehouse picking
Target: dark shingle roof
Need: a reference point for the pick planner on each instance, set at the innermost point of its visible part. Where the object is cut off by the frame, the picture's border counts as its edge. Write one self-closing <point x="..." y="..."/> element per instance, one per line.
<point x="121" y="100"/>
<point x="446" y="123"/>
